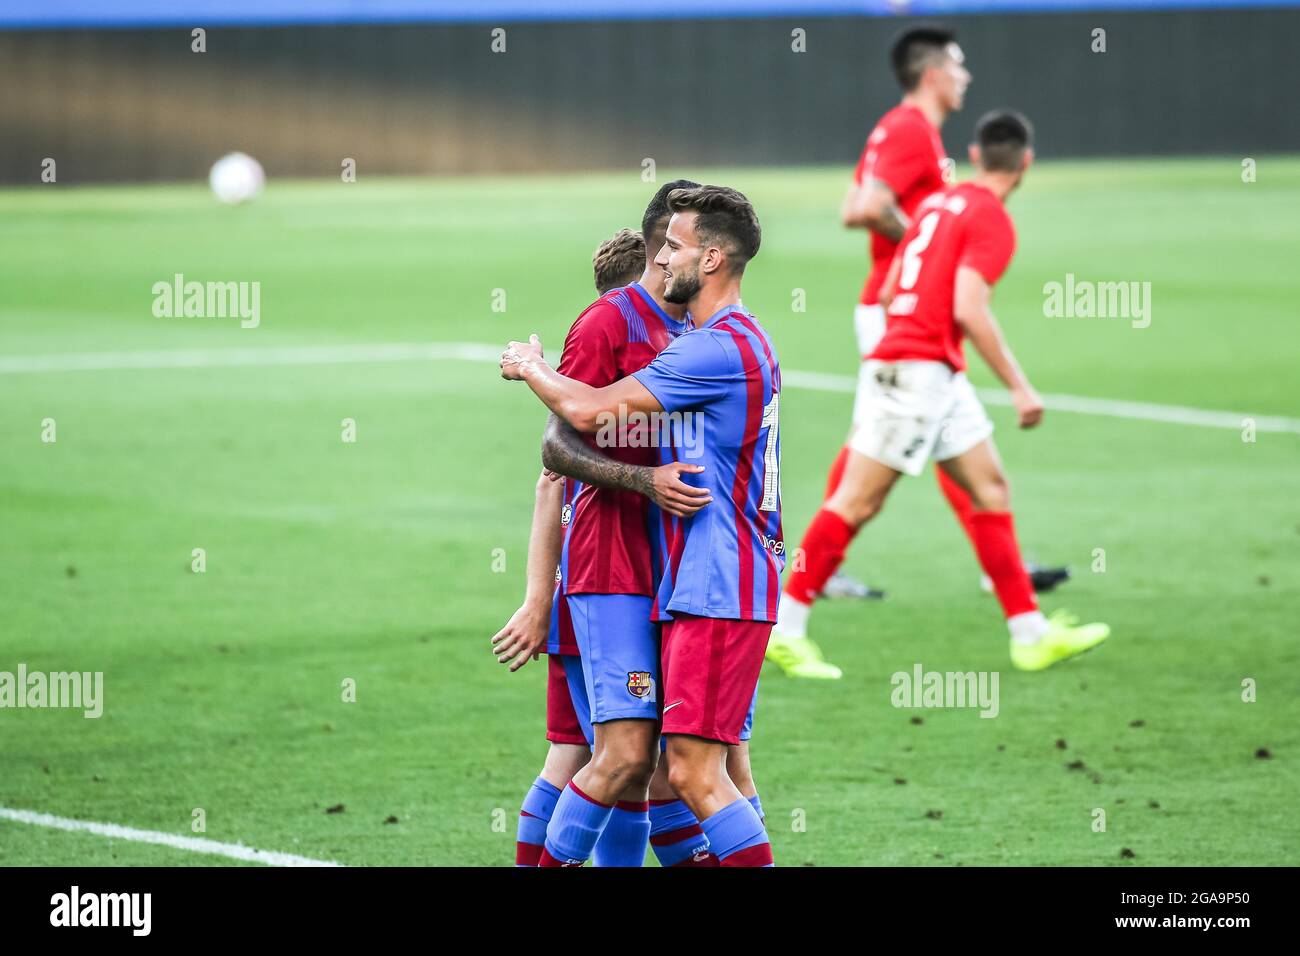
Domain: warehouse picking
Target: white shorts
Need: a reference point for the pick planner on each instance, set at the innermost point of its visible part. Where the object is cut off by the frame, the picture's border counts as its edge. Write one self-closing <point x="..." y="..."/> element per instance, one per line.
<point x="869" y="325"/>
<point x="908" y="412"/>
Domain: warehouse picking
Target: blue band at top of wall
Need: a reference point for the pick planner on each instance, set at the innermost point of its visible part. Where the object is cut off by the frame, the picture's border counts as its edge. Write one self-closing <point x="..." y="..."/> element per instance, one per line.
<point x="35" y="14"/>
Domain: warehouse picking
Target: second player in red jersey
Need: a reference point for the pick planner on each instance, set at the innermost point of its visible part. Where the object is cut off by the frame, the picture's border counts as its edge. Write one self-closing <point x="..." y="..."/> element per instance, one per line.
<point x="902" y="162"/>
<point x="901" y="166"/>
<point x="963" y="226"/>
<point x="916" y="404"/>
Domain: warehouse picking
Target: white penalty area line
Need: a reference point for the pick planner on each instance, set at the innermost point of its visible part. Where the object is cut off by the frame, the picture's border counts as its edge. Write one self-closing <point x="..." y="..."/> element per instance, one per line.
<point x="234" y="851"/>
<point x="479" y="352"/>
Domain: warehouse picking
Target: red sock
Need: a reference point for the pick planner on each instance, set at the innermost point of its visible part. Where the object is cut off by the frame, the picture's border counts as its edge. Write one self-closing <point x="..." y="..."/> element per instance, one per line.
<point x="823" y="547"/>
<point x="758" y="855"/>
<point x="994" y="534"/>
<point x="528" y="854"/>
<point x="837" y="472"/>
<point x="546" y="860"/>
<point x="959" y="500"/>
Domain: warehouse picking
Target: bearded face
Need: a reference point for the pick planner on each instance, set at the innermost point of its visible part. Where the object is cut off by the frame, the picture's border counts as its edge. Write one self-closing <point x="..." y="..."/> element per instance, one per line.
<point x="683" y="285"/>
<point x="680" y="259"/>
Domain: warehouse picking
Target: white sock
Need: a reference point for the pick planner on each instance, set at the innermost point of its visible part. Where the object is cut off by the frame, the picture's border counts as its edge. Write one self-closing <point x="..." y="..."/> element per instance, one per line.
<point x="792" y="617"/>
<point x="1025" y="628"/>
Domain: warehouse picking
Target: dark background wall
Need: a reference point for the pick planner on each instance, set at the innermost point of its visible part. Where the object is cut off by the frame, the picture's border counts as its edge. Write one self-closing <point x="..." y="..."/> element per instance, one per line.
<point x="434" y="98"/>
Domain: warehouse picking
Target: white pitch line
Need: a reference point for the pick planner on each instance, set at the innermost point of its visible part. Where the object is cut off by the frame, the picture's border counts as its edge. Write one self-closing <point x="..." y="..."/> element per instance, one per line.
<point x="479" y="352"/>
<point x="235" y="851"/>
<point x="1111" y="408"/>
<point x="229" y="358"/>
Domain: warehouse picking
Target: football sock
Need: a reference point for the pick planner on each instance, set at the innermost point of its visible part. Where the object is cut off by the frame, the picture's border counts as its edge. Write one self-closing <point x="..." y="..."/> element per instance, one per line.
<point x="676" y="836"/>
<point x="737" y="836"/>
<point x="791" y="616"/>
<point x="539" y="804"/>
<point x="823" y="546"/>
<point x="994" y="533"/>
<point x="624" y="839"/>
<point x="837" y="471"/>
<point x="757" y="804"/>
<point x="575" y="827"/>
<point x="1027" y="628"/>
<point x="959" y="501"/>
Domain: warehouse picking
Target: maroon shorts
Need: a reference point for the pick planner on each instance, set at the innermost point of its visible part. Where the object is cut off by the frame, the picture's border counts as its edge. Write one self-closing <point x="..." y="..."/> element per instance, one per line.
<point x="562" y="723"/>
<point x="710" y="672"/>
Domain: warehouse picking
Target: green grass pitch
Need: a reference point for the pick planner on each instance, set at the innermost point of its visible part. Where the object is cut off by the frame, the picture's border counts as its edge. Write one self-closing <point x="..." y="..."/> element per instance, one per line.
<point x="377" y="560"/>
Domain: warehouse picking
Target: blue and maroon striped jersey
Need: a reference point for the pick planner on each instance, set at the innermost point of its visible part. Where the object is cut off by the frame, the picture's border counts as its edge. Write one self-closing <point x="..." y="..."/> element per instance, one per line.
<point x="610" y="537"/>
<point x="721" y="384"/>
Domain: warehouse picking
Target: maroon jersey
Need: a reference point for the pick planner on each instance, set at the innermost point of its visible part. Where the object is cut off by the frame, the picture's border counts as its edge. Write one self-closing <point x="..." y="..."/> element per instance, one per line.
<point x="608" y="534"/>
<point x="905" y="153"/>
<point x="963" y="225"/>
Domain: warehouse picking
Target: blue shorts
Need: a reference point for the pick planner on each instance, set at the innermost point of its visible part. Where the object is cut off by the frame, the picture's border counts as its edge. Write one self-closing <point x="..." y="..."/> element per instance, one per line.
<point x="577" y="693"/>
<point x="748" y="729"/>
<point x="619" y="649"/>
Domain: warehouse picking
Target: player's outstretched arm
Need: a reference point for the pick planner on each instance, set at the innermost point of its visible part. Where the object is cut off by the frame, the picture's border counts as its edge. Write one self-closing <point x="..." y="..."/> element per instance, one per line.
<point x="565" y="452"/>
<point x="972" y="312"/>
<point x="873" y="206"/>
<point x="524" y="635"/>
<point x="583" y="407"/>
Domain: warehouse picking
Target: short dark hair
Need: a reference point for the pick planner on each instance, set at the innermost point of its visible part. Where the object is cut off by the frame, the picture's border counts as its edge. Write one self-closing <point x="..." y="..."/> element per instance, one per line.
<point x="726" y="219"/>
<point x="655" y="221"/>
<point x="619" y="260"/>
<point x="1003" y="136"/>
<point x="916" y="49"/>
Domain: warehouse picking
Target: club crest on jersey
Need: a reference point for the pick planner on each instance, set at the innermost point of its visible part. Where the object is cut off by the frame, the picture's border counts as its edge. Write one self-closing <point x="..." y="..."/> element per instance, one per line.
<point x="641" y="685"/>
<point x="566" y="515"/>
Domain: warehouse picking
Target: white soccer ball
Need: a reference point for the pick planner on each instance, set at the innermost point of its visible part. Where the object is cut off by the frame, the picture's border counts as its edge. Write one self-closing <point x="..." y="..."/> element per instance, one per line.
<point x="236" y="178"/>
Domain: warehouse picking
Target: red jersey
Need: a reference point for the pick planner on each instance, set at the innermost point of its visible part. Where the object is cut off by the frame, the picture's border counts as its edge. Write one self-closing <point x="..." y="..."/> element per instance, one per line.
<point x="905" y="153"/>
<point x="963" y="225"/>
<point x="608" y="535"/>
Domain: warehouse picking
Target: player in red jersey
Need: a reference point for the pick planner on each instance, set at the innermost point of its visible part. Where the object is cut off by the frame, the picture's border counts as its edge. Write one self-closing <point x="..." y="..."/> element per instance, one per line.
<point x="902" y="162"/>
<point x="920" y="405"/>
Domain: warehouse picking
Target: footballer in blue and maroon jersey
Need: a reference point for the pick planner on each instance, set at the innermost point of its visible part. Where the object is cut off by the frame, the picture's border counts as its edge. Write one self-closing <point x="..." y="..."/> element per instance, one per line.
<point x="607" y="531"/>
<point x="717" y="387"/>
<point x="607" y="568"/>
<point x="723" y="566"/>
<point x="724" y="562"/>
<point x="602" y="646"/>
<point x="617" y="262"/>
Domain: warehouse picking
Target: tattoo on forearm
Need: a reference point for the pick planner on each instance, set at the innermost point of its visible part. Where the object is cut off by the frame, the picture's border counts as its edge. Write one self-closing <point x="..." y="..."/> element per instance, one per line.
<point x="892" y="222"/>
<point x="564" y="451"/>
